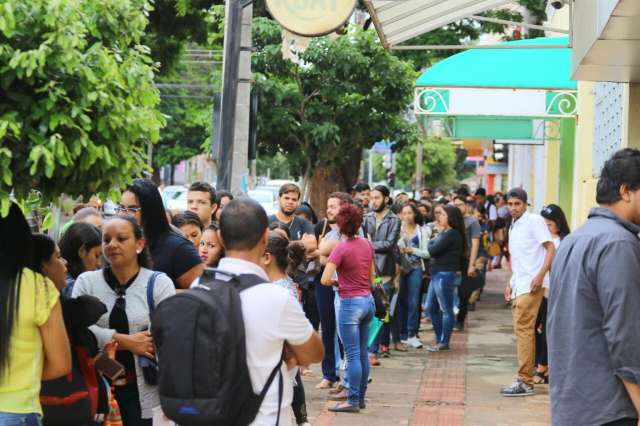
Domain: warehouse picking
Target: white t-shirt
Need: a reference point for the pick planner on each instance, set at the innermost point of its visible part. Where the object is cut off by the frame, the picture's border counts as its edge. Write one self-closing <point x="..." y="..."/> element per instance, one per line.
<point x="526" y="238"/>
<point x="492" y="211"/>
<point x="556" y="244"/>
<point x="271" y="315"/>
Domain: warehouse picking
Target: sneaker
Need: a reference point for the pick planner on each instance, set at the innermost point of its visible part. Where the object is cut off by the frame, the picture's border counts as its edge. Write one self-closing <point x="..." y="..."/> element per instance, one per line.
<point x="438" y="348"/>
<point x="459" y="326"/>
<point x="414" y="342"/>
<point x="404" y="341"/>
<point x="517" y="388"/>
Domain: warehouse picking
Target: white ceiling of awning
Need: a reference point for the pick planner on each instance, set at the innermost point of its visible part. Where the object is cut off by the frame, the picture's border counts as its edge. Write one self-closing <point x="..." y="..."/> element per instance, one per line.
<point x="400" y="20"/>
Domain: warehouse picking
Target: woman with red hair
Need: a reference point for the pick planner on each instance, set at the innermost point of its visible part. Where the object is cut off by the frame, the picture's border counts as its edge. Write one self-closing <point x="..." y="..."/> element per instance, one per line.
<point x="352" y="259"/>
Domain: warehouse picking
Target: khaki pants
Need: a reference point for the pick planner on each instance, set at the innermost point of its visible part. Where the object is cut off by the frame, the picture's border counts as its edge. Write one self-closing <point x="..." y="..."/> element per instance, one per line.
<point x="525" y="311"/>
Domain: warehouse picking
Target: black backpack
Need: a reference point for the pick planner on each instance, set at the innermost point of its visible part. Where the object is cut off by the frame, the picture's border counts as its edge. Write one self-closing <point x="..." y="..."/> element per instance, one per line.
<point x="200" y="343"/>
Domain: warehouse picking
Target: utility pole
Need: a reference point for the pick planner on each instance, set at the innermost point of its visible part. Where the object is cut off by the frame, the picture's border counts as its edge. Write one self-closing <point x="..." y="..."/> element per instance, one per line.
<point x="234" y="113"/>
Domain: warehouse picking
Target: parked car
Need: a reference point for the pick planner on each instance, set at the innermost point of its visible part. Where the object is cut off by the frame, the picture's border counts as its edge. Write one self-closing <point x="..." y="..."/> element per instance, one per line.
<point x="267" y="198"/>
<point x="174" y="198"/>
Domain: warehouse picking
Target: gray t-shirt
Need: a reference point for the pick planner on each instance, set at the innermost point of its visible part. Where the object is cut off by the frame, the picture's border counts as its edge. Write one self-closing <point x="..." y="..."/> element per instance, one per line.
<point x="472" y="230"/>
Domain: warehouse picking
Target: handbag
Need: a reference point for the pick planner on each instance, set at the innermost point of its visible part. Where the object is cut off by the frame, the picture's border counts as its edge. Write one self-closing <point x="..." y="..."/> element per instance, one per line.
<point x="380" y="299"/>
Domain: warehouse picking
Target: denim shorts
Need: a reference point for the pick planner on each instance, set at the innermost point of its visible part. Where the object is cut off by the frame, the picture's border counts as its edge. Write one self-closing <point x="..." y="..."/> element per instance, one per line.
<point x="13" y="419"/>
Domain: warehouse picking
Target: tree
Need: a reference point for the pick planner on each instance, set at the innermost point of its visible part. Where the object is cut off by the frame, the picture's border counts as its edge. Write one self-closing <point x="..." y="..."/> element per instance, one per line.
<point x="77" y="101"/>
<point x="439" y="162"/>
<point x="342" y="95"/>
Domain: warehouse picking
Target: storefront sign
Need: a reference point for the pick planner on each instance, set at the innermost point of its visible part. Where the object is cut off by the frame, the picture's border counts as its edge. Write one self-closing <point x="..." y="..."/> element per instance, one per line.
<point x="311" y="17"/>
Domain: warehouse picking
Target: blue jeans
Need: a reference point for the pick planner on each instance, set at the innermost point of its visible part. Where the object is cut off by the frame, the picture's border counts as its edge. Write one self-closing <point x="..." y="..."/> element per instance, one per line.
<point x="326" y="311"/>
<point x="409" y="303"/>
<point x="440" y="305"/>
<point x="354" y="319"/>
<point x="11" y="419"/>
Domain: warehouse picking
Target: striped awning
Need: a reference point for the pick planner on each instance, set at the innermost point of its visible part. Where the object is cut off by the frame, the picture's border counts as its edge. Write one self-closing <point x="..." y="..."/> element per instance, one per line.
<point x="400" y="20"/>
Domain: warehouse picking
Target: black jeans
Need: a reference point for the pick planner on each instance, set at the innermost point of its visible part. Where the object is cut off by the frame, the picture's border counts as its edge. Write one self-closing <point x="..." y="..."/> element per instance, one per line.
<point x="541" y="338"/>
<point x="327" y="313"/>
<point x="129" y="403"/>
<point x="299" y="403"/>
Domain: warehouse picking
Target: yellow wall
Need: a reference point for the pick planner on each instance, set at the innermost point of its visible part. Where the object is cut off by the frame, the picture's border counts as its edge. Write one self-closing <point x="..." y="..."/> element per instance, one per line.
<point x="584" y="190"/>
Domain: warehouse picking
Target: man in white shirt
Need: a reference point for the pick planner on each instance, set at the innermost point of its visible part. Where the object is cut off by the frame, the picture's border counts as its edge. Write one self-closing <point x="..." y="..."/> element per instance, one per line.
<point x="532" y="251"/>
<point x="272" y="317"/>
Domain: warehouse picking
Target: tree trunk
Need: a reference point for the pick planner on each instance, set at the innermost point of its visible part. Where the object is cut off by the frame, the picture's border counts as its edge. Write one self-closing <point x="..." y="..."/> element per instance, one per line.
<point x="328" y="179"/>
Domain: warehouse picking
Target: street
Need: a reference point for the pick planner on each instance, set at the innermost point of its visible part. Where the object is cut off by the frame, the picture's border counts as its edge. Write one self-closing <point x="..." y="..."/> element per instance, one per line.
<point x="456" y="388"/>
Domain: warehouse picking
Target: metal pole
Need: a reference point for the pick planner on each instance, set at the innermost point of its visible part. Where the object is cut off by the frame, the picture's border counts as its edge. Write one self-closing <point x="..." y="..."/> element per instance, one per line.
<point x="476" y="47"/>
<point x="520" y="24"/>
<point x="231" y="59"/>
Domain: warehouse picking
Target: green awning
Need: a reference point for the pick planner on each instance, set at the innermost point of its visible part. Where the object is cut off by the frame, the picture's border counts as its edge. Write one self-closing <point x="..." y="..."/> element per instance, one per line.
<point x="547" y="69"/>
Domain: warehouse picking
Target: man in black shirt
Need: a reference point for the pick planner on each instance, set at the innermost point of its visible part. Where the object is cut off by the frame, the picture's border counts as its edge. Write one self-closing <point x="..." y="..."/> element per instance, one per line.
<point x="300" y="229"/>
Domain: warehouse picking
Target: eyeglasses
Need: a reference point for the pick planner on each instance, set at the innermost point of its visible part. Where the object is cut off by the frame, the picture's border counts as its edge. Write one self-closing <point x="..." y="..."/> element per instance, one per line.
<point x="127" y="210"/>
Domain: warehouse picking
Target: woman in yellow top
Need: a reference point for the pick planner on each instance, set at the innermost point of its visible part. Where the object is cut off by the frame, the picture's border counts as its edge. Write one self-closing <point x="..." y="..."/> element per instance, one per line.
<point x="33" y="340"/>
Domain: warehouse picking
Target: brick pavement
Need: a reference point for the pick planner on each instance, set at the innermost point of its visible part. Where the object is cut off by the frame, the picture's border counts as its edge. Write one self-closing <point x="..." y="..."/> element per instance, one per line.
<point x="457" y="388"/>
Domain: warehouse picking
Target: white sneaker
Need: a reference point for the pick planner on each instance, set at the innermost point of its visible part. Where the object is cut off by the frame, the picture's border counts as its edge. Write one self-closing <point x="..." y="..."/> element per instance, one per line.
<point x="414" y="342"/>
<point x="405" y="341"/>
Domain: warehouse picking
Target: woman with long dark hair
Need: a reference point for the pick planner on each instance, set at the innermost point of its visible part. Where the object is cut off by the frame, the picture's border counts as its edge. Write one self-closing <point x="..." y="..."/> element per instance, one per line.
<point x="171" y="252"/>
<point x="447" y="251"/>
<point x="123" y="287"/>
<point x="281" y="261"/>
<point x="33" y="341"/>
<point x="556" y="221"/>
<point x="81" y="247"/>
<point x="352" y="259"/>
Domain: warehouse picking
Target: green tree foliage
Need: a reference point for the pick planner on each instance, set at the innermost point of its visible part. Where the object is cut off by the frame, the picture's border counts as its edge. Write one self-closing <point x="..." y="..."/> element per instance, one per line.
<point x="77" y="101"/>
<point x="439" y="163"/>
<point x="188" y="110"/>
<point x="343" y="94"/>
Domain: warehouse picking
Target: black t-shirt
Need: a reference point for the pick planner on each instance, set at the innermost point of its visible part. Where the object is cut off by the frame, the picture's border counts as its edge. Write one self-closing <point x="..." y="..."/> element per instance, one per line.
<point x="297" y="227"/>
<point x="174" y="255"/>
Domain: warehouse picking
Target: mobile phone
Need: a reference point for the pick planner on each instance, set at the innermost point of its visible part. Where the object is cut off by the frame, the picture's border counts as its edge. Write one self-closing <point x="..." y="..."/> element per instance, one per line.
<point x="110" y="368"/>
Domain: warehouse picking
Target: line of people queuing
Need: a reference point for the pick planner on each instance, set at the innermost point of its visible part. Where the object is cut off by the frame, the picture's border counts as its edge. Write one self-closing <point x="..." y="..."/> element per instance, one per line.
<point x="92" y="296"/>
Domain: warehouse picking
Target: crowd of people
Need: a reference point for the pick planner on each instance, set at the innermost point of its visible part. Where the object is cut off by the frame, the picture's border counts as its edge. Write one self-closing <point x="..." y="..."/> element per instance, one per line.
<point x="79" y="347"/>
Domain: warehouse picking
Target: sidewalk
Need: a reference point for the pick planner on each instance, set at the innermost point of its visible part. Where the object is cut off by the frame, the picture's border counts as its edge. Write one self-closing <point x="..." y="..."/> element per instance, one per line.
<point x="457" y="388"/>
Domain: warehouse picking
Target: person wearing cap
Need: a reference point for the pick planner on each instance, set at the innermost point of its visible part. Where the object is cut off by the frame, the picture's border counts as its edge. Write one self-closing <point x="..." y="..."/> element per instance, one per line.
<point x="532" y="251"/>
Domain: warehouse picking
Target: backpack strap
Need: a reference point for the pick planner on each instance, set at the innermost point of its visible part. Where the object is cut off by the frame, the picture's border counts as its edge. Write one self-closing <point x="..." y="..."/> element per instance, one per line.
<point x="150" y="286"/>
<point x="277" y="370"/>
<point x="240" y="282"/>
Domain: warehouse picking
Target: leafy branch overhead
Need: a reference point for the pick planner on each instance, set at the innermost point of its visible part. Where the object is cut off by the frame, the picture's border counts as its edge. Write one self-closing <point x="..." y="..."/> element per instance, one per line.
<point x="340" y="95"/>
<point x="78" y="101"/>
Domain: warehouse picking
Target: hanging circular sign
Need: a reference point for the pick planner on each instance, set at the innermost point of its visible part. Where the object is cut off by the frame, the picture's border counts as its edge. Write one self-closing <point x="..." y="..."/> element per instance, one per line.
<point x="311" y="17"/>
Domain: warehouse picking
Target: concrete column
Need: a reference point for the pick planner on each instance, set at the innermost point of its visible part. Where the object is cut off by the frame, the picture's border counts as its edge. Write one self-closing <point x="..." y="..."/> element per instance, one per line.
<point x="240" y="167"/>
<point x="633" y="117"/>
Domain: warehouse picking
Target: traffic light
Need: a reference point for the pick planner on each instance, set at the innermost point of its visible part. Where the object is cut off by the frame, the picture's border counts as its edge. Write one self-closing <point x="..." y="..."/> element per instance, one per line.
<point x="500" y="152"/>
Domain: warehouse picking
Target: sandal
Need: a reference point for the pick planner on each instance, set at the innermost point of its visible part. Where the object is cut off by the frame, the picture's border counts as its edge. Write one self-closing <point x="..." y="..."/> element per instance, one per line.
<point x="540" y="378"/>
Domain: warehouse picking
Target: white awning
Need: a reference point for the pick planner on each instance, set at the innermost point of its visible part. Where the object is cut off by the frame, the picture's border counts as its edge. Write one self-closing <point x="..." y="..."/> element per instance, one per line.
<point x="400" y="20"/>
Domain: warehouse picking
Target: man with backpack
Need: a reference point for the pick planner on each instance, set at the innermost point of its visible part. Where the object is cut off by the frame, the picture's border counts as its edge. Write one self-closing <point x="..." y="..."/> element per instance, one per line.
<point x="237" y="329"/>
